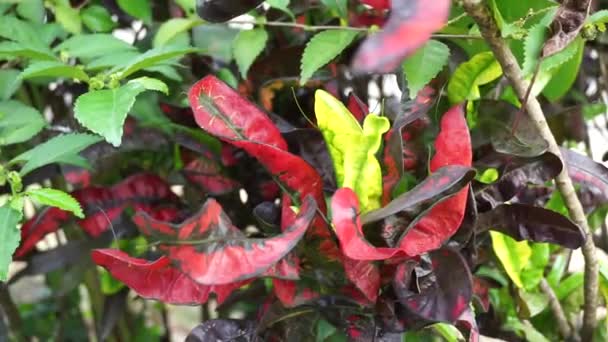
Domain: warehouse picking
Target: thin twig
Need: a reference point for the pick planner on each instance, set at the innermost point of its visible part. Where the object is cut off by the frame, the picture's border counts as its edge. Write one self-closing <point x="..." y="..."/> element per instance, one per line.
<point x="556" y="308"/>
<point x="12" y="313"/>
<point x="489" y="30"/>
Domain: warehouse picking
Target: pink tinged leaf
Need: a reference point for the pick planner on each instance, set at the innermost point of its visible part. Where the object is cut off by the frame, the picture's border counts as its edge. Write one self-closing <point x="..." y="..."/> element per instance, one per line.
<point x="453" y="147"/>
<point x="38" y="227"/>
<point x="207" y="174"/>
<point x="364" y="275"/>
<point x="223" y="112"/>
<point x="158" y="279"/>
<point x="410" y="24"/>
<point x="212" y="251"/>
<point x="357" y="107"/>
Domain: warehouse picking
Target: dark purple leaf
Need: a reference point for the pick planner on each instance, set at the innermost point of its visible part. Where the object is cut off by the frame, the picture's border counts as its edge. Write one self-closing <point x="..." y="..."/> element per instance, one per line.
<point x="443" y="298"/>
<point x="591" y="175"/>
<point x="526" y="222"/>
<point x="566" y="25"/>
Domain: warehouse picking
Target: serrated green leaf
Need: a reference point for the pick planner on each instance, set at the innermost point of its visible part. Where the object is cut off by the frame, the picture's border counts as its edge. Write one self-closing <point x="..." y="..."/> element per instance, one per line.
<point x="150" y="83"/>
<point x="112" y="60"/>
<point x="10" y="236"/>
<point x="62" y="148"/>
<point x="104" y="111"/>
<point x="90" y="46"/>
<point x="465" y="82"/>
<point x="216" y="39"/>
<point x="352" y="148"/>
<point x="171" y="28"/>
<point x="533" y="45"/>
<point x="513" y="255"/>
<point x="54" y="69"/>
<point x="18" y="122"/>
<point x="247" y="46"/>
<point x="151" y="58"/>
<point x="97" y="19"/>
<point x="9" y="83"/>
<point x="338" y="6"/>
<point x="424" y="65"/>
<point x="140" y="9"/>
<point x="322" y="48"/>
<point x="282" y="5"/>
<point x="56" y="198"/>
<point x="32" y="10"/>
<point x="22" y="32"/>
<point x="564" y="77"/>
<point x="599" y="17"/>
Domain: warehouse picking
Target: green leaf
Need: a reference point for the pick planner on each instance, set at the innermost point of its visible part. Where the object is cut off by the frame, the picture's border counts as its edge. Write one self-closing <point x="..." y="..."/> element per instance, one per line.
<point x="569" y="285"/>
<point x="111" y="60"/>
<point x="68" y="16"/>
<point x="54" y="69"/>
<point x="150" y="83"/>
<point x="20" y="50"/>
<point x="465" y="82"/>
<point x="564" y="77"/>
<point x="9" y="83"/>
<point x="60" y="149"/>
<point x="89" y="46"/>
<point x="534" y="271"/>
<point x="420" y="68"/>
<point x="247" y="45"/>
<point x="352" y="148"/>
<point x="513" y="255"/>
<point x="32" y="10"/>
<point x="599" y="17"/>
<point x="338" y="6"/>
<point x="22" y="32"/>
<point x="151" y="58"/>
<point x="18" y="122"/>
<point x="10" y="236"/>
<point x="533" y="45"/>
<point x="97" y="19"/>
<point x="140" y="9"/>
<point x="104" y="111"/>
<point x="282" y="5"/>
<point x="56" y="198"/>
<point x="171" y="28"/>
<point x="322" y="48"/>
<point x="216" y="39"/>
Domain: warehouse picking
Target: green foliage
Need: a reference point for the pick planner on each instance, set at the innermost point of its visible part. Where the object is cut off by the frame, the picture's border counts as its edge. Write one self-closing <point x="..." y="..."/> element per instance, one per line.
<point x="321" y="49"/>
<point x="18" y="122"/>
<point x="465" y="82"/>
<point x="513" y="255"/>
<point x="247" y="46"/>
<point x="61" y="149"/>
<point x="424" y="65"/>
<point x="56" y="198"/>
<point x="54" y="69"/>
<point x="9" y="237"/>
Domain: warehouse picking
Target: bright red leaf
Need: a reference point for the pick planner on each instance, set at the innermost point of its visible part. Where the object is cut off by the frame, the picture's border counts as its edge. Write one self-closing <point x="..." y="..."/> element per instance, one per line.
<point x="378" y="4"/>
<point x="209" y="249"/>
<point x="410" y="25"/>
<point x="207" y="174"/>
<point x="158" y="279"/>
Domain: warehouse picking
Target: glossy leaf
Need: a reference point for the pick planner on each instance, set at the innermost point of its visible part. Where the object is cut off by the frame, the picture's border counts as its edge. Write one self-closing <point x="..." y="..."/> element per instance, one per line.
<point x="440" y="185"/>
<point x="513" y="255"/>
<point x="158" y="279"/>
<point x="9" y="237"/>
<point x="526" y="222"/>
<point x="172" y="28"/>
<point x="140" y="9"/>
<point x="322" y="48"/>
<point x="215" y="106"/>
<point x="56" y="198"/>
<point x="209" y="176"/>
<point x="9" y="83"/>
<point x="465" y="82"/>
<point x="206" y="245"/>
<point x="88" y="46"/>
<point x="409" y="27"/>
<point x="352" y="148"/>
<point x="445" y="299"/>
<point x="54" y="69"/>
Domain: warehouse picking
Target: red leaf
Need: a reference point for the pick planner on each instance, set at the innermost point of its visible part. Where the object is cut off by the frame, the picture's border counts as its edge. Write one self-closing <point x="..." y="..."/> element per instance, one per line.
<point x="453" y="147"/>
<point x="142" y="192"/>
<point x="211" y="251"/>
<point x="207" y="174"/>
<point x="158" y="279"/>
<point x="410" y="25"/>
<point x="364" y="275"/>
<point x="223" y="112"/>
<point x="357" y="107"/>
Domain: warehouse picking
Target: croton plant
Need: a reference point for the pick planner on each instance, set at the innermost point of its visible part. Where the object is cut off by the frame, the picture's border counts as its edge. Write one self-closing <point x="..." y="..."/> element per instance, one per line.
<point x="300" y="170"/>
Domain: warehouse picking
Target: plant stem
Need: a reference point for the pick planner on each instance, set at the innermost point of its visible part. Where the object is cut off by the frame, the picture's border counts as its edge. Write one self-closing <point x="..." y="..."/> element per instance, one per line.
<point x="12" y="313"/>
<point x="489" y="30"/>
<point x="556" y="308"/>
